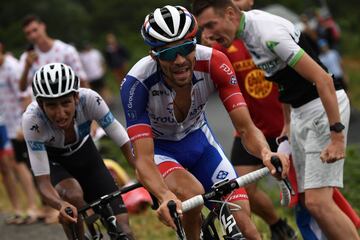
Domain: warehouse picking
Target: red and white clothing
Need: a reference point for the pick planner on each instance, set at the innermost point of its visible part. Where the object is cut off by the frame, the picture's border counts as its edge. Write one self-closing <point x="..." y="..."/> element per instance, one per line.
<point x="10" y="96"/>
<point x="60" y="52"/>
<point x="261" y="95"/>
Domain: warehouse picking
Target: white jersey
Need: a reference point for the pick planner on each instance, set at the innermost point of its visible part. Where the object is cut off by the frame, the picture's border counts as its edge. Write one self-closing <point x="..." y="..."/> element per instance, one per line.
<point x="10" y="102"/>
<point x="40" y="133"/>
<point x="274" y="44"/>
<point x="60" y="52"/>
<point x="93" y="63"/>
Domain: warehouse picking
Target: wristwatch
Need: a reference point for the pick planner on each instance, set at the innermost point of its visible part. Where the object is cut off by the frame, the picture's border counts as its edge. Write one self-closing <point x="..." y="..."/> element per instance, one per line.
<point x="337" y="127"/>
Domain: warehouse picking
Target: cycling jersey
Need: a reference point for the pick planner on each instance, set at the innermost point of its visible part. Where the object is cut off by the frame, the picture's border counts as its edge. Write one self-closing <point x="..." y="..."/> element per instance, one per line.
<point x="42" y="136"/>
<point x="261" y="96"/>
<point x="276" y="45"/>
<point x="148" y="104"/>
<point x="10" y="106"/>
<point x="148" y="100"/>
<point x="59" y="52"/>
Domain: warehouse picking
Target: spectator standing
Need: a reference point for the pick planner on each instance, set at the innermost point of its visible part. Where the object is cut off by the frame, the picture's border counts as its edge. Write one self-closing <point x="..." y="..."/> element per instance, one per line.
<point x="11" y="110"/>
<point x="43" y="49"/>
<point x="116" y="57"/>
<point x="333" y="61"/>
<point x="94" y="67"/>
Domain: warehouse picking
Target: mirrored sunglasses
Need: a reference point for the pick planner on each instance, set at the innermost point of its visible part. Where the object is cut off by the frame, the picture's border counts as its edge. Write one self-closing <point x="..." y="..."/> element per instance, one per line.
<point x="169" y="54"/>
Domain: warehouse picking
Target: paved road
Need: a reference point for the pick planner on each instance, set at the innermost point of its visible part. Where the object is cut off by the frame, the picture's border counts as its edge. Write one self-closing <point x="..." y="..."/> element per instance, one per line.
<point x="222" y="127"/>
<point x="38" y="231"/>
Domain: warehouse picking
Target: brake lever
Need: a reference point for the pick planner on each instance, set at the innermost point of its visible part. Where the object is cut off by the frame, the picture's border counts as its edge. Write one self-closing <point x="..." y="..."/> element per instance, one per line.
<point x="277" y="163"/>
<point x="289" y="187"/>
<point x="176" y="218"/>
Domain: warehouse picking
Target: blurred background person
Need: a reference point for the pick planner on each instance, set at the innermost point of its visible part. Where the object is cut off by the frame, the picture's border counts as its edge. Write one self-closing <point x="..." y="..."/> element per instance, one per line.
<point x="95" y="66"/>
<point x="43" y="49"/>
<point x="116" y="57"/>
<point x="333" y="61"/>
<point x="15" y="171"/>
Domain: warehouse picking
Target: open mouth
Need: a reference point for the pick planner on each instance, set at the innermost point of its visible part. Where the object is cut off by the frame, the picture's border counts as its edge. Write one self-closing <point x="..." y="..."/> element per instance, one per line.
<point x="181" y="72"/>
<point x="62" y="123"/>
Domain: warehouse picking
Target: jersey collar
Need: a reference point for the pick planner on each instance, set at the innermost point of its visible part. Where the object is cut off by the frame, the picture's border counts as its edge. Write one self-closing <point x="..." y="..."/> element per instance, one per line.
<point x="241" y="26"/>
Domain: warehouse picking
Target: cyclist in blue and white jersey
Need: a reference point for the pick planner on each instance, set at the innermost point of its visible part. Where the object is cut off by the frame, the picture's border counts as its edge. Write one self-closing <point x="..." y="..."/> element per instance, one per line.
<point x="320" y="108"/>
<point x="67" y="166"/>
<point x="164" y="97"/>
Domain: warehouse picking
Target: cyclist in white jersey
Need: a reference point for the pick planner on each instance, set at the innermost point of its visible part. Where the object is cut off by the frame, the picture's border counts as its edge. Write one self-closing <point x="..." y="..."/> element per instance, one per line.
<point x="43" y="50"/>
<point x="67" y="166"/>
<point x="319" y="106"/>
<point x="164" y="97"/>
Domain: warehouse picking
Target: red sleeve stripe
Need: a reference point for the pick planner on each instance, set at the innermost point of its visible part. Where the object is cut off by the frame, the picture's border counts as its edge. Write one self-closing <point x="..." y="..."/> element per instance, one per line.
<point x="234" y="101"/>
<point x="202" y="66"/>
<point x="224" y="100"/>
<point x="138" y="131"/>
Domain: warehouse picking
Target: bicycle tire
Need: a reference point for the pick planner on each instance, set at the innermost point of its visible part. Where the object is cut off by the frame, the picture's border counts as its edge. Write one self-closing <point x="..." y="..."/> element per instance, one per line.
<point x="117" y="172"/>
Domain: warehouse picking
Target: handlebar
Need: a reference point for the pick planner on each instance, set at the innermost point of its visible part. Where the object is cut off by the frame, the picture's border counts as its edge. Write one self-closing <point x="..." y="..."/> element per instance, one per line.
<point x="225" y="187"/>
<point x="107" y="198"/>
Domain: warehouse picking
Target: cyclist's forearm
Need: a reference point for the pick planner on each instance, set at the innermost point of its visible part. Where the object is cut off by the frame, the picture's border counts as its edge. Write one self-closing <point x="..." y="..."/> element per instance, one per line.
<point x="48" y="192"/>
<point x="328" y="98"/>
<point x="255" y="142"/>
<point x="151" y="178"/>
<point x="252" y="138"/>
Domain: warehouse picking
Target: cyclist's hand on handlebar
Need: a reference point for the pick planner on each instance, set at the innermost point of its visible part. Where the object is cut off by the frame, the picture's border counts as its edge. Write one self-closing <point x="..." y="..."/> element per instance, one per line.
<point x="68" y="213"/>
<point x="284" y="159"/>
<point x="163" y="210"/>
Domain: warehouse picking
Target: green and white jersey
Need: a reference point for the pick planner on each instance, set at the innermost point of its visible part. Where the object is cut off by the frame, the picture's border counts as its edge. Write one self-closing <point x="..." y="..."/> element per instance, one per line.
<point x="271" y="40"/>
<point x="276" y="46"/>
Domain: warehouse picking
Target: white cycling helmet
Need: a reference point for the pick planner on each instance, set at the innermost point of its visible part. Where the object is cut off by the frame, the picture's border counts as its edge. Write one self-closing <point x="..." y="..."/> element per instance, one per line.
<point x="168" y="24"/>
<point x="54" y="80"/>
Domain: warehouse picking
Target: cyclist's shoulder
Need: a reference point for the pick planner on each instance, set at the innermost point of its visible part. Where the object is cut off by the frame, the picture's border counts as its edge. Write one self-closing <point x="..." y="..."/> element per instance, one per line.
<point x="33" y="115"/>
<point x="145" y="72"/>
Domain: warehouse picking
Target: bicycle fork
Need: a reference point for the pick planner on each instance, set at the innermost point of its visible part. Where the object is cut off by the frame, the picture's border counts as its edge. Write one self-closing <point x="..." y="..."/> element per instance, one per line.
<point x="108" y="219"/>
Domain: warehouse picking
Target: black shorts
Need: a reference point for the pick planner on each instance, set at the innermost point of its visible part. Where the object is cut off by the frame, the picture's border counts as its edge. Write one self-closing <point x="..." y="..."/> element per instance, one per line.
<point x="88" y="168"/>
<point x="20" y="150"/>
<point x="239" y="155"/>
